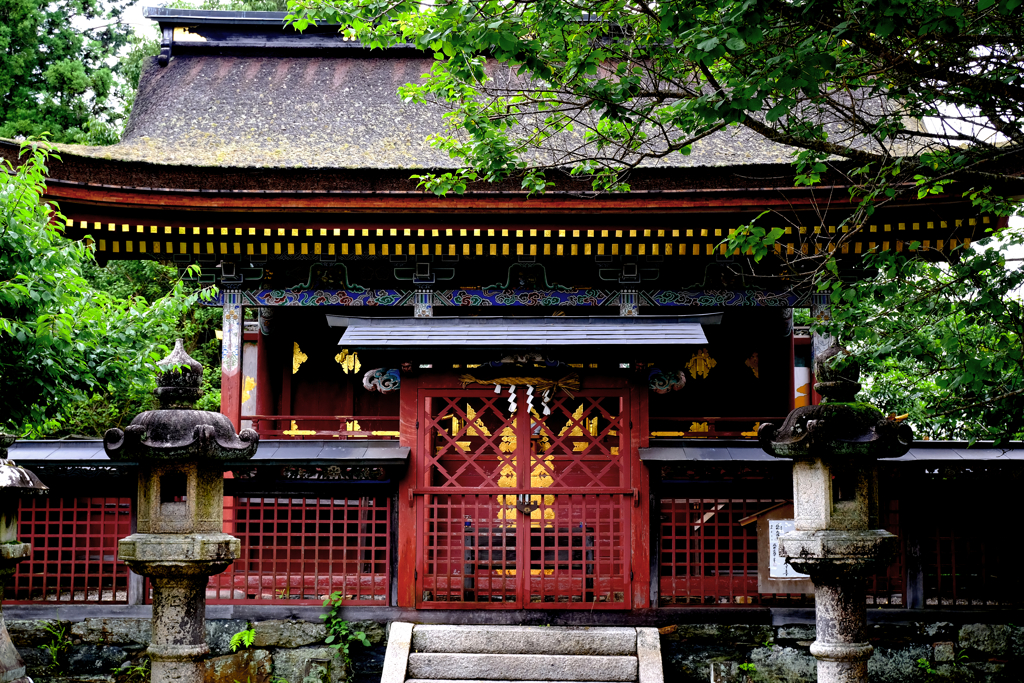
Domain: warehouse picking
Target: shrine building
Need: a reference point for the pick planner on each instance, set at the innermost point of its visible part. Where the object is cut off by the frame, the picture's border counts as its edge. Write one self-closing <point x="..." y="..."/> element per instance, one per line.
<point x="490" y="401"/>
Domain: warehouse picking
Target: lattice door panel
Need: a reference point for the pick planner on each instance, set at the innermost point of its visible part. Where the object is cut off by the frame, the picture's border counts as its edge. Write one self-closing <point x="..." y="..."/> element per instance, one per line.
<point x="469" y="553"/>
<point x="522" y="508"/>
<point x="581" y="444"/>
<point x="74" y="550"/>
<point x="470" y="441"/>
<point x="299" y="550"/>
<point x="579" y="552"/>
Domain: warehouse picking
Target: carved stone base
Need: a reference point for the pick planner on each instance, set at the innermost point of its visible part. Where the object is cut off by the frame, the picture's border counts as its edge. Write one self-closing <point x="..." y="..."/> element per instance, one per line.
<point x="12" y="666"/>
<point x="178" y="549"/>
<point x="818" y="552"/>
<point x="841" y="646"/>
<point x="179" y="565"/>
<point x="178" y="646"/>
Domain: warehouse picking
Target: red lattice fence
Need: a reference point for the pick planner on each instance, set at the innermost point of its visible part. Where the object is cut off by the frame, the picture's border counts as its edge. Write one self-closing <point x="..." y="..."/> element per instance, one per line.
<point x="301" y="549"/>
<point x="74" y="550"/>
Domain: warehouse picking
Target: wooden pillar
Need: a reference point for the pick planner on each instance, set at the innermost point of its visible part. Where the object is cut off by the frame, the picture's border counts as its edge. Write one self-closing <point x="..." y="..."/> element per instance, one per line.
<point x="265" y="394"/>
<point x="231" y="358"/>
<point x="792" y="366"/>
<point x="640" y="522"/>
<point x="406" y="540"/>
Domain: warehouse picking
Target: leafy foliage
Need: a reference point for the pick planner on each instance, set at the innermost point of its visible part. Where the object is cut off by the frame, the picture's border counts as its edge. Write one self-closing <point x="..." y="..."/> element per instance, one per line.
<point x="56" y="647"/>
<point x="244" y="638"/>
<point x="941" y="341"/>
<point x="62" y="339"/>
<point x="601" y="88"/>
<point x="55" y="75"/>
<point x="339" y="632"/>
<point x="196" y="325"/>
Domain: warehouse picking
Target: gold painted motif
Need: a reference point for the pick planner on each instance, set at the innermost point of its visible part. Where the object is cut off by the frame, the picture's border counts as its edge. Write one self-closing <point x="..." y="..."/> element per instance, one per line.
<point x="247" y="388"/>
<point x="349" y="362"/>
<point x="354" y="426"/>
<point x="541" y="464"/>
<point x="753" y="431"/>
<point x="699" y="427"/>
<point x="591" y="423"/>
<point x="298" y="358"/>
<point x="295" y="431"/>
<point x="701" y="363"/>
<point x="476" y="425"/>
<point x="752" y="364"/>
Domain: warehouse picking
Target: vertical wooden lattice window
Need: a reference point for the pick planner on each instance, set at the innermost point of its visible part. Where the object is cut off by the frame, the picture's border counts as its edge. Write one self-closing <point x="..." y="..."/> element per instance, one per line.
<point x="299" y="550"/>
<point x="74" y="550"/>
<point x="707" y="557"/>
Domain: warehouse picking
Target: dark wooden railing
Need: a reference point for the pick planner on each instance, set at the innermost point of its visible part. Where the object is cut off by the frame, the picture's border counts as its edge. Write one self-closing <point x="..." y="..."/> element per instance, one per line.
<point x="386" y="427"/>
<point x="348" y="426"/>
<point x="708" y="427"/>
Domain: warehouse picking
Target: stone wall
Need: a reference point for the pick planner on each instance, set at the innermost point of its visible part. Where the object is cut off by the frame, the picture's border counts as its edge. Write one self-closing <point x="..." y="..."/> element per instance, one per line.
<point x="106" y="650"/>
<point x="111" y="651"/>
<point x="904" y="653"/>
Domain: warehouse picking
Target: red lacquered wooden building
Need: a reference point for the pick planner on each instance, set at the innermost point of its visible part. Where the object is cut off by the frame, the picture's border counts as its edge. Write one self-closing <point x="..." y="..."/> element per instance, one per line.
<point x="487" y="401"/>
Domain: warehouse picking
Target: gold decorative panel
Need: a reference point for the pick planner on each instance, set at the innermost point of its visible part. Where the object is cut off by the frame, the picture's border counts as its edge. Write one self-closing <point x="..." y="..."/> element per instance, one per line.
<point x="298" y="358"/>
<point x="701" y="363"/>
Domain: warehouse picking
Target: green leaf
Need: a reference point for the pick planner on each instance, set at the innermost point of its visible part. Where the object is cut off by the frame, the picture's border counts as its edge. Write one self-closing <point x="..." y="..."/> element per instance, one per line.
<point x="708" y="45"/>
<point x="777" y="112"/>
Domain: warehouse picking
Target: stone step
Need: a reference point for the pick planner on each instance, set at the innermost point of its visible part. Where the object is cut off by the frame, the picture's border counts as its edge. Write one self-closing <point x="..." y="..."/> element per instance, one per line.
<point x="533" y="640"/>
<point x="526" y="667"/>
<point x="479" y="680"/>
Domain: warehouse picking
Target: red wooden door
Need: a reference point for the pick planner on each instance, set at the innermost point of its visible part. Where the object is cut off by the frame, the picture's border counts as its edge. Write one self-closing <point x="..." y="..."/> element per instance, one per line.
<point x="523" y="509"/>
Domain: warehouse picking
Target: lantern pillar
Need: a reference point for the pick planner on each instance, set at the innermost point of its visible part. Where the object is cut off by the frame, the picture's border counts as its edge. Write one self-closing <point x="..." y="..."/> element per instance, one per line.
<point x="15" y="482"/>
<point x="835" y="447"/>
<point x="179" y="542"/>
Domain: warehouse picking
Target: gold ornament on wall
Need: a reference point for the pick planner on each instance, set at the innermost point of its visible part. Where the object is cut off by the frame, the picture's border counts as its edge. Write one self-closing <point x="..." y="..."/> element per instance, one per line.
<point x="752" y="364"/>
<point x="247" y="388"/>
<point x="349" y="361"/>
<point x="295" y="431"/>
<point x="298" y="358"/>
<point x="701" y="363"/>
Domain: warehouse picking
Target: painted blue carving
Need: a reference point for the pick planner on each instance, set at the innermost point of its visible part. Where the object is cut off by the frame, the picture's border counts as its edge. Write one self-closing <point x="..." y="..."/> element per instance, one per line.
<point x="383" y="380"/>
<point x="569" y="297"/>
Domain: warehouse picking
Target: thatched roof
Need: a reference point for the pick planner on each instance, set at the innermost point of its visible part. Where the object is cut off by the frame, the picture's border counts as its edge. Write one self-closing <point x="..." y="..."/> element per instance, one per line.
<point x="316" y="112"/>
<point x="243" y="91"/>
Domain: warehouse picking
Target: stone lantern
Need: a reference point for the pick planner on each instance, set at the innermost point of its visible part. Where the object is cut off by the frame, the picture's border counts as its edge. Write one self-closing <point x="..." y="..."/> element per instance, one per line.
<point x="835" y="449"/>
<point x="15" y="482"/>
<point x="179" y="542"/>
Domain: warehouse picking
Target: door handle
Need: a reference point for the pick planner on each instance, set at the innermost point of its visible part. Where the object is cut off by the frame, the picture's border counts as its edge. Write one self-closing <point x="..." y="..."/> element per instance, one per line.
<point x="525" y="503"/>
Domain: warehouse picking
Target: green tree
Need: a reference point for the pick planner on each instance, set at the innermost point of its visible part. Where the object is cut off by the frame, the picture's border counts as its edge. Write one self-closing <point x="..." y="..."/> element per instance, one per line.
<point x="105" y="406"/>
<point x="55" y="74"/>
<point x="896" y="99"/>
<point x="606" y="86"/>
<point x="942" y="342"/>
<point x="61" y="339"/>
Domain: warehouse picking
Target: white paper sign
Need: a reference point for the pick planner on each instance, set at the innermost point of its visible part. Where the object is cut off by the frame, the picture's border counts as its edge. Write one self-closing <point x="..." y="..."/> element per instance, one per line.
<point x="777" y="567"/>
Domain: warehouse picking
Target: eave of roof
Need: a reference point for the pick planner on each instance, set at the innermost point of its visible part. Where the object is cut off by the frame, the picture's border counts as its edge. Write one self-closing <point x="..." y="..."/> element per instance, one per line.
<point x="539" y="334"/>
<point x="704" y="450"/>
<point x="89" y="452"/>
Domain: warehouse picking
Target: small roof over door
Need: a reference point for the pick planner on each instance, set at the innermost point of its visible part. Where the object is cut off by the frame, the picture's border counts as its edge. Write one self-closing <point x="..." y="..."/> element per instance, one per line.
<point x="519" y="333"/>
